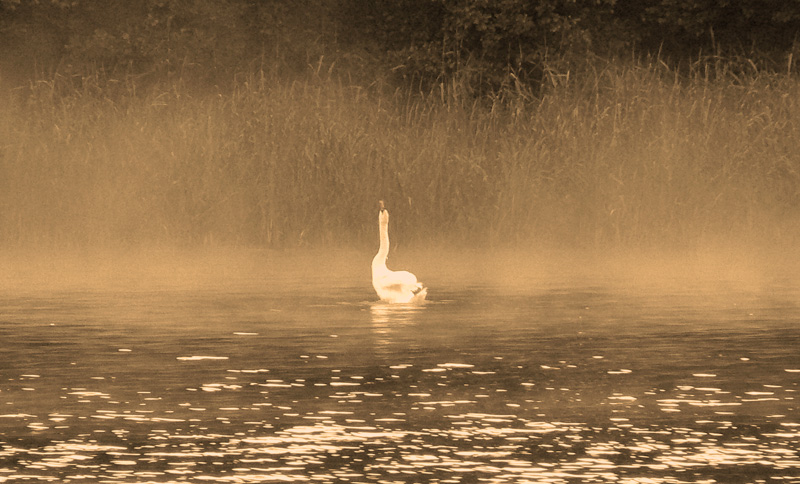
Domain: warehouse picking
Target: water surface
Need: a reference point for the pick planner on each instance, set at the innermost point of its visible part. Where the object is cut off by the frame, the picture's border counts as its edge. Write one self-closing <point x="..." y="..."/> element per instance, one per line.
<point x="277" y="374"/>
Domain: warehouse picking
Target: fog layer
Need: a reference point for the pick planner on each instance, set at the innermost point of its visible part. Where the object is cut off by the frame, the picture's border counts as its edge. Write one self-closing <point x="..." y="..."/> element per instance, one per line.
<point x="633" y="156"/>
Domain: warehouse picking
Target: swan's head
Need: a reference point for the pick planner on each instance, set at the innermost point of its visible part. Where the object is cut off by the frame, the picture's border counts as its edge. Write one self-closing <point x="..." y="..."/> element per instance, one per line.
<point x="383" y="214"/>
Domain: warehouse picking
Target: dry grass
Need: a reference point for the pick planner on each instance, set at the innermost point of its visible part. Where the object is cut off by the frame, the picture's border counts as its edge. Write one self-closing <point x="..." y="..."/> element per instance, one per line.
<point x="621" y="155"/>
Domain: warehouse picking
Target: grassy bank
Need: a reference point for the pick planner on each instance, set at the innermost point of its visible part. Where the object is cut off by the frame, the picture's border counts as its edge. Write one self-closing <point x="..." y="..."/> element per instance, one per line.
<point x="622" y="155"/>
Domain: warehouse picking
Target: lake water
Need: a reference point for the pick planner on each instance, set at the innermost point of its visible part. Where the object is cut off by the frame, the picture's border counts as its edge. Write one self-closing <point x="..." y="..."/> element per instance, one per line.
<point x="289" y="371"/>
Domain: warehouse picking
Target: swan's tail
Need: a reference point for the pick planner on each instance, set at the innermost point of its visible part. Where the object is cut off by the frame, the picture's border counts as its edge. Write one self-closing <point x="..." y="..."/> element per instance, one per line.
<point x="420" y="293"/>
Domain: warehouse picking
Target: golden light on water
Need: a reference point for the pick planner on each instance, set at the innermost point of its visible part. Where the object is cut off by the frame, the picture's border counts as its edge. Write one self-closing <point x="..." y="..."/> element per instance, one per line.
<point x="250" y="372"/>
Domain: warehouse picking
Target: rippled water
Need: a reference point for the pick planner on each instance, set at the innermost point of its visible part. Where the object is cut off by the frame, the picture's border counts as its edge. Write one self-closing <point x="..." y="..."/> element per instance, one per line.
<point x="281" y="378"/>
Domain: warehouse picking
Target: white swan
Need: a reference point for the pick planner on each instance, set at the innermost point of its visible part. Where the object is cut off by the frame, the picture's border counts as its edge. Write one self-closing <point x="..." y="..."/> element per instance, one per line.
<point x="393" y="286"/>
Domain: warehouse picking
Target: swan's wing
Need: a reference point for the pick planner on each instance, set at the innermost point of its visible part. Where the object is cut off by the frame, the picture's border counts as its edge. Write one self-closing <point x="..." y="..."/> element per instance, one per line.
<point x="403" y="277"/>
<point x="398" y="281"/>
<point x="399" y="286"/>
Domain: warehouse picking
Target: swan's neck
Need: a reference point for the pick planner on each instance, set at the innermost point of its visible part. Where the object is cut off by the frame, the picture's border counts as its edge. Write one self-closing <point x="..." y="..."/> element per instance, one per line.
<point x="383" y="250"/>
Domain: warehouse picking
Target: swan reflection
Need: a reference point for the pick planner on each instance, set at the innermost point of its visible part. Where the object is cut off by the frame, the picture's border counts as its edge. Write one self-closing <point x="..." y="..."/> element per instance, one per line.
<point x="387" y="318"/>
<point x="393" y="314"/>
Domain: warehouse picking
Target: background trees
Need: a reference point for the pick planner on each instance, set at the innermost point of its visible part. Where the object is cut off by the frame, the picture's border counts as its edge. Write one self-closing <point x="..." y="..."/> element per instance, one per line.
<point x="481" y="43"/>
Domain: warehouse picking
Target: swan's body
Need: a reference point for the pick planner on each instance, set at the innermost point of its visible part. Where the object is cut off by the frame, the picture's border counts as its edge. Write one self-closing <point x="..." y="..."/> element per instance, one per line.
<point x="393" y="286"/>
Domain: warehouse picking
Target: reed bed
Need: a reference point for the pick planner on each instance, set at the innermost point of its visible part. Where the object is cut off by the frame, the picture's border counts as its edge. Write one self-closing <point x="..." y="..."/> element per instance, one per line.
<point x="622" y="154"/>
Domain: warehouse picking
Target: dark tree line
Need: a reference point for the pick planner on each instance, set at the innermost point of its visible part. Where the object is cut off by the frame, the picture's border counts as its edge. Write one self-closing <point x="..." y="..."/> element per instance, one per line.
<point x="417" y="40"/>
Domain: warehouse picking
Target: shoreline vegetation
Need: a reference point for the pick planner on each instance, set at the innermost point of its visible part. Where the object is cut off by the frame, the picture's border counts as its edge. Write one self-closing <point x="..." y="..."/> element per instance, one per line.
<point x="600" y="126"/>
<point x="629" y="153"/>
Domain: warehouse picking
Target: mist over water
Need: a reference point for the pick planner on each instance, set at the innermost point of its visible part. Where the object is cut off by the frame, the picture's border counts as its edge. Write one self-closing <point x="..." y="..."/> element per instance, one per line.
<point x="260" y="366"/>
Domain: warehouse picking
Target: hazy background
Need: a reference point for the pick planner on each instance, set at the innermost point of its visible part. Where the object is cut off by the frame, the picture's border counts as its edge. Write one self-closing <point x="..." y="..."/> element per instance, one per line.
<point x="599" y="126"/>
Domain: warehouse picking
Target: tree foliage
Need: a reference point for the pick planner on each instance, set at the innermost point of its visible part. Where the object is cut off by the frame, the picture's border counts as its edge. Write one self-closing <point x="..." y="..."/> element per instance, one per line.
<point x="483" y="43"/>
<point x="687" y="26"/>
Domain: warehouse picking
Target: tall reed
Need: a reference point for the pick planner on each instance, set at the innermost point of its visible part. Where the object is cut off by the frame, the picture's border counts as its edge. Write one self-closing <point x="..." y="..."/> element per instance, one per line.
<point x="625" y="154"/>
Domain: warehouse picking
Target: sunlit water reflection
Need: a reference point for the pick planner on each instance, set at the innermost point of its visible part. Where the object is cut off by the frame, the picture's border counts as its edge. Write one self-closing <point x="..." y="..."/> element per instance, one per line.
<point x="252" y="383"/>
